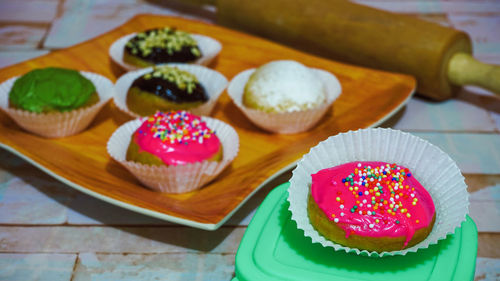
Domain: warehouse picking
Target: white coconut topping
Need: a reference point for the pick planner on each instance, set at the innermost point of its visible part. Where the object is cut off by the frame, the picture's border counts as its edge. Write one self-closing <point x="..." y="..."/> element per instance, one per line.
<point x="286" y="86"/>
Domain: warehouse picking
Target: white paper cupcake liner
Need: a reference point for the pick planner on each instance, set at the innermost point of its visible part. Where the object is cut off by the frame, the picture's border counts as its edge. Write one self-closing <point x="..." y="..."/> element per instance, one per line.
<point x="58" y="125"/>
<point x="213" y="82"/>
<point x="433" y="168"/>
<point x="287" y="122"/>
<point x="180" y="178"/>
<point x="209" y="48"/>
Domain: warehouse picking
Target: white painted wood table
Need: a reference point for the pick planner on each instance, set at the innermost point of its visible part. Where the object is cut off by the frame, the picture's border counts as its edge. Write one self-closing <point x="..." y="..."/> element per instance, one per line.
<point x="48" y="231"/>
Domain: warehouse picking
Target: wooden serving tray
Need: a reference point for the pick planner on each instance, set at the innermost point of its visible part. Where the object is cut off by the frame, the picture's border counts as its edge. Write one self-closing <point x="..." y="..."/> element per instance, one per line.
<point x="81" y="161"/>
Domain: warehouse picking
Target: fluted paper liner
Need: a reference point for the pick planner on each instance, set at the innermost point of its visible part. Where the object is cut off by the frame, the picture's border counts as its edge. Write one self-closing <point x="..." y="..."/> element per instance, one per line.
<point x="58" y="125"/>
<point x="180" y="178"/>
<point x="209" y="49"/>
<point x="213" y="82"/>
<point x="287" y="122"/>
<point x="433" y="168"/>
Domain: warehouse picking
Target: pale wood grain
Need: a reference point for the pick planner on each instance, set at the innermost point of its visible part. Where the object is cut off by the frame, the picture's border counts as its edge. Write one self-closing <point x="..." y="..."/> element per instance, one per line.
<point x="170" y="266"/>
<point x="476" y="182"/>
<point x="367" y="97"/>
<point x="138" y="239"/>
<point x="488" y="245"/>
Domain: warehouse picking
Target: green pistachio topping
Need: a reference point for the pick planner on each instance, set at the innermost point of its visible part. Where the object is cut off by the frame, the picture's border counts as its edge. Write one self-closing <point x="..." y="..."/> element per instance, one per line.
<point x="182" y="79"/>
<point x="167" y="38"/>
<point x="51" y="89"/>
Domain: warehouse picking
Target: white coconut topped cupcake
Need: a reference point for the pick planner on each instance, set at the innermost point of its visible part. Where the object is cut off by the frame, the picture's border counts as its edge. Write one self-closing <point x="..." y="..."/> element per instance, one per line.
<point x="284" y="96"/>
<point x="283" y="86"/>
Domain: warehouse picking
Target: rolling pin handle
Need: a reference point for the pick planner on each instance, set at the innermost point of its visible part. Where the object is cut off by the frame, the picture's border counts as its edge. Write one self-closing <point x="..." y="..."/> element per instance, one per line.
<point x="463" y="70"/>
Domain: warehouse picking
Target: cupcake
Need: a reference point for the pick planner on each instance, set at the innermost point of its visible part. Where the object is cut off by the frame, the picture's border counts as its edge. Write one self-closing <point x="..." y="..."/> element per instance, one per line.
<point x="165" y="88"/>
<point x="163" y="45"/>
<point x="52" y="90"/>
<point x="55" y="102"/>
<point x="176" y="151"/>
<point x="374" y="206"/>
<point x="283" y="86"/>
<point x="174" y="138"/>
<point x="284" y="96"/>
<point x="338" y="191"/>
<point x="169" y="87"/>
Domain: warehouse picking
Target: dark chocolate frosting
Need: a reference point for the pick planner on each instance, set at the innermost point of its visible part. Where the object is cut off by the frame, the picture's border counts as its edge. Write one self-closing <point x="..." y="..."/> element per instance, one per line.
<point x="163" y="45"/>
<point x="169" y="89"/>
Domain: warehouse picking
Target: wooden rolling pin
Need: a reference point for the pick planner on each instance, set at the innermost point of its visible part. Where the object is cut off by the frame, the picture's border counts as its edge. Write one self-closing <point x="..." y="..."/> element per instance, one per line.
<point x="439" y="57"/>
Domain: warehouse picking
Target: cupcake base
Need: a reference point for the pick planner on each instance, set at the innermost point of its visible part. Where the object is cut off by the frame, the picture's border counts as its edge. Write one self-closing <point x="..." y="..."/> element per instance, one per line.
<point x="333" y="232"/>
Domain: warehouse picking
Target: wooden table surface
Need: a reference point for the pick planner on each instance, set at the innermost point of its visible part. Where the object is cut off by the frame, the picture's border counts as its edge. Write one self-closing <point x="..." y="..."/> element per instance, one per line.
<point x="49" y="231"/>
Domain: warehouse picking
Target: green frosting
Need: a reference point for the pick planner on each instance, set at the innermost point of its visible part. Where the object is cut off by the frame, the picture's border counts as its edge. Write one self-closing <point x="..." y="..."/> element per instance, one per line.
<point x="51" y="89"/>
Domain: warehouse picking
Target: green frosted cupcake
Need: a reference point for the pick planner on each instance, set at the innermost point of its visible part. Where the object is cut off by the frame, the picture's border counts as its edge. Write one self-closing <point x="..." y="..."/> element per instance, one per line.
<point x="52" y="89"/>
<point x="55" y="102"/>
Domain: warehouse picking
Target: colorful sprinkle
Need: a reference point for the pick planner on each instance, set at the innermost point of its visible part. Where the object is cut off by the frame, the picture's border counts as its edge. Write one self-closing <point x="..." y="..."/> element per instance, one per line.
<point x="177" y="126"/>
<point x="389" y="195"/>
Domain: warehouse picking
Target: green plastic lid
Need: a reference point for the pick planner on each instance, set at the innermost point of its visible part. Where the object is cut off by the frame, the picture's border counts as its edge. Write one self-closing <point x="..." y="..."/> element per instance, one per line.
<point x="273" y="248"/>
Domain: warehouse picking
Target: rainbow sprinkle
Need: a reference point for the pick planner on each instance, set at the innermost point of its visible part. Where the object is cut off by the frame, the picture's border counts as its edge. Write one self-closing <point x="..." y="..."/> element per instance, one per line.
<point x="379" y="190"/>
<point x="177" y="127"/>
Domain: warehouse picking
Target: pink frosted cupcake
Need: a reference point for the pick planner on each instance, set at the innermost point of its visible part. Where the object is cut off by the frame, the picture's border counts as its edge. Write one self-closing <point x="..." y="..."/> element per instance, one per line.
<point x="370" y="205"/>
<point x="377" y="192"/>
<point x="174" y="151"/>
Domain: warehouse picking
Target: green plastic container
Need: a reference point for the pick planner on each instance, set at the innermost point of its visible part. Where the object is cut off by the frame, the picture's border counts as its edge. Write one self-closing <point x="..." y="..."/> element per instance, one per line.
<point x="274" y="249"/>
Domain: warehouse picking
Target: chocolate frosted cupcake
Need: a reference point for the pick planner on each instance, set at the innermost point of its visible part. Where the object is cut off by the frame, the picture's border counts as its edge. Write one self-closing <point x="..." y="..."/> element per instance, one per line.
<point x="165" y="88"/>
<point x="169" y="87"/>
<point x="161" y="45"/>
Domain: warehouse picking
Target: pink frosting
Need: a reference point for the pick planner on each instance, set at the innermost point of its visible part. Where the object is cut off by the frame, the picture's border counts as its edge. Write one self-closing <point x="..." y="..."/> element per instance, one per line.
<point x="353" y="195"/>
<point x="177" y="138"/>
